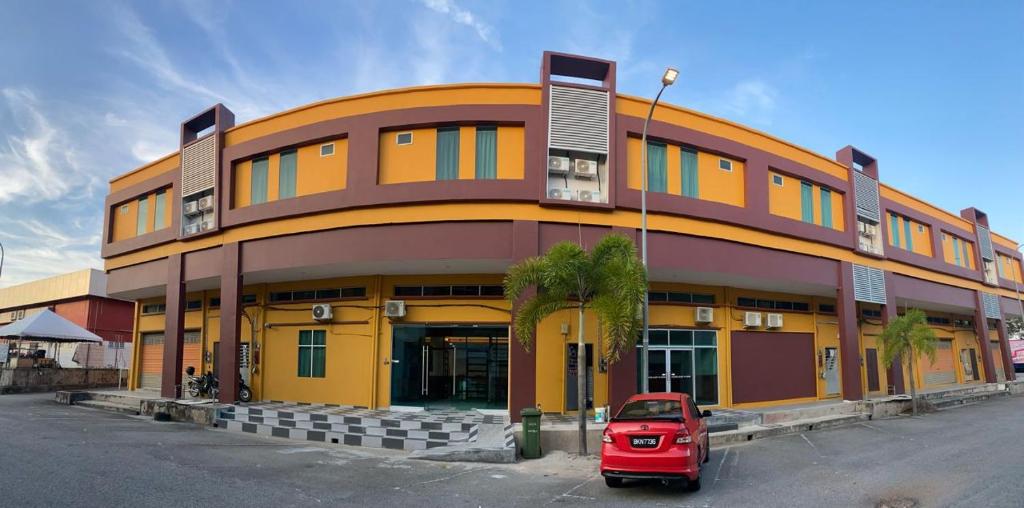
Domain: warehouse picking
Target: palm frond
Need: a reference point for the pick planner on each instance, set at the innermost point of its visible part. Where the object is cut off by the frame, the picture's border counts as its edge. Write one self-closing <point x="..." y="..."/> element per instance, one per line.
<point x="531" y="312"/>
<point x="523" y="276"/>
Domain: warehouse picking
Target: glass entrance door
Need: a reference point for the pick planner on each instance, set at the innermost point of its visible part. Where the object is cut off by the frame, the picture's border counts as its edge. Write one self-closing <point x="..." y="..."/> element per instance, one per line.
<point x="670" y="370"/>
<point x="682" y="361"/>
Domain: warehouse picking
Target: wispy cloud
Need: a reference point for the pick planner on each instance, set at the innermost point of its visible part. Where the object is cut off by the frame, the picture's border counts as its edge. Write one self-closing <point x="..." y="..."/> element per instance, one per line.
<point x="486" y="32"/>
<point x="752" y="100"/>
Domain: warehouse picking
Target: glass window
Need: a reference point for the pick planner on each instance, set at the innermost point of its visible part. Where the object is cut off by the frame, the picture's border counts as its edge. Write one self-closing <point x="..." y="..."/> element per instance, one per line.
<point x="258" y="183"/>
<point x="894" y="229"/>
<point x="708" y="299"/>
<point x="355" y="292"/>
<point x="765" y="304"/>
<point x="657" y="296"/>
<point x="801" y="306"/>
<point x="486" y="153"/>
<point x="657" y="172"/>
<point x="706" y="374"/>
<point x="826" y="207"/>
<point x="956" y="252"/>
<point x="408" y="290"/>
<point x="214" y="303"/>
<point x="647" y="409"/>
<point x="246" y="299"/>
<point x="807" y="202"/>
<point x="746" y="302"/>
<point x="777" y="180"/>
<point x="327" y="149"/>
<point x="705" y="338"/>
<point x="465" y="290"/>
<point x="725" y="164"/>
<point x="691" y="188"/>
<point x="678" y="297"/>
<point x="492" y="290"/>
<point x="447" y="163"/>
<point x="657" y="337"/>
<point x="328" y="294"/>
<point x="160" y="211"/>
<point x="437" y="290"/>
<point x="908" y="238"/>
<point x="312" y="353"/>
<point x="193" y="305"/>
<point x="281" y="296"/>
<point x="681" y="338"/>
<point x="304" y="295"/>
<point x="287" y="174"/>
<point x="140" y="220"/>
<point x="403" y="138"/>
<point x="827" y="308"/>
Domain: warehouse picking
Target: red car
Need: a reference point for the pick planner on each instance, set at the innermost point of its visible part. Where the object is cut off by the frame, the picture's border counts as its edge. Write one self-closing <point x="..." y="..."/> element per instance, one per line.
<point x="661" y="436"/>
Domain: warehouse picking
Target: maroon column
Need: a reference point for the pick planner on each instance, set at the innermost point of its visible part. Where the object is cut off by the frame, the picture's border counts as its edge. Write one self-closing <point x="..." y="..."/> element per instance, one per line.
<point x="174" y="328"/>
<point x="522" y="363"/>
<point x="1004" y="346"/>
<point x="622" y="374"/>
<point x="230" y="321"/>
<point x="849" y="348"/>
<point x="888" y="313"/>
<point x="981" y="330"/>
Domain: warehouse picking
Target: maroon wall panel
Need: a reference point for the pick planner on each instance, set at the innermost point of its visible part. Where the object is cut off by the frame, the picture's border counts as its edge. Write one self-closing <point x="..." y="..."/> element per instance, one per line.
<point x="772" y="366"/>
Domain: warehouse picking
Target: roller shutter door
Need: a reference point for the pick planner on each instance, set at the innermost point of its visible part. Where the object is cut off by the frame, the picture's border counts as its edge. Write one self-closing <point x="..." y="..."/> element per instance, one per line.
<point x="942" y="371"/>
<point x="152" y="360"/>
<point x="770" y="366"/>
<point x="192" y="354"/>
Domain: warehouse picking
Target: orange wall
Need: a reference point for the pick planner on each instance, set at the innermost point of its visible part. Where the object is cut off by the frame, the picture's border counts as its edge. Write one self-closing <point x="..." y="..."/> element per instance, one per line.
<point x="784" y="201"/>
<point x="511" y="153"/>
<point x="1009" y="268"/>
<point x="920" y="235"/>
<point x="414" y="162"/>
<point x="126" y="223"/>
<point x="947" y="250"/>
<point x="713" y="184"/>
<point x="151" y="170"/>
<point x="314" y="174"/>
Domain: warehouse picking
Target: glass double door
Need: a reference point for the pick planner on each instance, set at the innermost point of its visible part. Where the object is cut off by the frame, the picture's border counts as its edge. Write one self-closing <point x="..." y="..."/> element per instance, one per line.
<point x="670" y="370"/>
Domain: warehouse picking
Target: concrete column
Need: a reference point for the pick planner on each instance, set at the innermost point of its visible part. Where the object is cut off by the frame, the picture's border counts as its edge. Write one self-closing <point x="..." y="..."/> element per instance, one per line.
<point x="981" y="330"/>
<point x="174" y="328"/>
<point x="849" y="343"/>
<point x="889" y="312"/>
<point x="1004" y="347"/>
<point x="522" y="364"/>
<point x="230" y="322"/>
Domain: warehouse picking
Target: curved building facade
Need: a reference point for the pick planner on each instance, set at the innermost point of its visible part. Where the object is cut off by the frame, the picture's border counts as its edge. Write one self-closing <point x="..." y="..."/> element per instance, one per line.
<point x="352" y="251"/>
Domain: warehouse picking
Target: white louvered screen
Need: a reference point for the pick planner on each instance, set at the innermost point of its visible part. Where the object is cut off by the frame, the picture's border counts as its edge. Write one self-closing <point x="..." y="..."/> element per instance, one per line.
<point x="578" y="120"/>
<point x="868" y="284"/>
<point x="199" y="166"/>
<point x="865" y="190"/>
<point x="985" y="242"/>
<point x="990" y="303"/>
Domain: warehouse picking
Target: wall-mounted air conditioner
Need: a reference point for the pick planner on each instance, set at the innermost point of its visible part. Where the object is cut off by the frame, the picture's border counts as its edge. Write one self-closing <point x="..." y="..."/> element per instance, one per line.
<point x="191" y="208"/>
<point x="866" y="229"/>
<point x="590" y="196"/>
<point x="206" y="224"/>
<point x="558" y="164"/>
<point x="752" y="319"/>
<point x="394" y="309"/>
<point x="322" y="312"/>
<point x="704" y="315"/>
<point x="585" y="168"/>
<point x="191" y="229"/>
<point x="560" y="194"/>
<point x="205" y="203"/>
<point x="774" y="320"/>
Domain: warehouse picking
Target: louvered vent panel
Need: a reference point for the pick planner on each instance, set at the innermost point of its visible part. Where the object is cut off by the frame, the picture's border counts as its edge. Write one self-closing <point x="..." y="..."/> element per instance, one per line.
<point x="868" y="284"/>
<point x="865" y="191"/>
<point x="985" y="242"/>
<point x="199" y="166"/>
<point x="578" y="120"/>
<point x="990" y="303"/>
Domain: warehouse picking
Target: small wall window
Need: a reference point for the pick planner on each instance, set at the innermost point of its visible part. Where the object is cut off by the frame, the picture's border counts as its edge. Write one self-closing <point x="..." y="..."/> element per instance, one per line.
<point x="777" y="180"/>
<point x="193" y="305"/>
<point x="312" y="353"/>
<point x="403" y="138"/>
<point x="725" y="164"/>
<point x="154" y="308"/>
<point x="123" y="210"/>
<point x="327" y="149"/>
<point x="920" y="228"/>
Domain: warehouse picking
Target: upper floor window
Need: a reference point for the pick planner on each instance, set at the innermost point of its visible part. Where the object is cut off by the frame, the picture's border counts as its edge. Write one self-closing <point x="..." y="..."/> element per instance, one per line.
<point x="725" y="164"/>
<point x="160" y="211"/>
<point x="327" y="149"/>
<point x="807" y="202"/>
<point x="141" y="218"/>
<point x="826" y="207"/>
<point x="777" y="180"/>
<point x="657" y="167"/>
<point x="690" y="173"/>
<point x="486" y="153"/>
<point x="403" y="138"/>
<point x="446" y="165"/>
<point x="287" y="174"/>
<point x="258" y="182"/>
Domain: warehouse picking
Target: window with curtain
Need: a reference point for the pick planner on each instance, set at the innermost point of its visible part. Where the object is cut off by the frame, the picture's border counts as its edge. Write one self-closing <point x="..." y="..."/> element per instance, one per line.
<point x="258" y="182"/>
<point x="907" y="237"/>
<point x="894" y="229"/>
<point x="657" y="168"/>
<point x="486" y="153"/>
<point x="287" y="174"/>
<point x="956" y="252"/>
<point x="312" y="353"/>
<point x="140" y="220"/>
<point x="447" y="166"/>
<point x="807" y="202"/>
<point x="826" y="207"/>
<point x="160" y="211"/>
<point x="691" y="188"/>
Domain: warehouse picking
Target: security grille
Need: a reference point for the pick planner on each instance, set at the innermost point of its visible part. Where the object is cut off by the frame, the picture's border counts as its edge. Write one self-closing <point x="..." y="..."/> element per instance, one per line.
<point x="865" y="190"/>
<point x="868" y="284"/>
<point x="578" y="120"/>
<point x="990" y="303"/>
<point x="199" y="166"/>
<point x="985" y="242"/>
<point x="243" y="355"/>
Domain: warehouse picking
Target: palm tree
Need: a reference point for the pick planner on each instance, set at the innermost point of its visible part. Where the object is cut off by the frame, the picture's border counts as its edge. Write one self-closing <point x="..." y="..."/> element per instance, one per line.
<point x="907" y="337"/>
<point x="610" y="281"/>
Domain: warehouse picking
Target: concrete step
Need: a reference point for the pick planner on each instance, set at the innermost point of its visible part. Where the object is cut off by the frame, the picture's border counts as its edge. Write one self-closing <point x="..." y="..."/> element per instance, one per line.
<point x="410" y="431"/>
<point x="110" y="406"/>
<point x="786" y="415"/>
<point x="257" y="415"/>
<point x="961" y="392"/>
<point x="494" y="444"/>
<point x="964" y="400"/>
<point x="115" y="397"/>
<point x="380" y="438"/>
<point x="792" y="427"/>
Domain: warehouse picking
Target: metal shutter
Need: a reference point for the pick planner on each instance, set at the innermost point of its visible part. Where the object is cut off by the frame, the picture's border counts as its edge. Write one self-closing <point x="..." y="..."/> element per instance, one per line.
<point x="868" y="284"/>
<point x="865" y="191"/>
<point x="578" y="119"/>
<point x="985" y="242"/>
<point x="990" y="303"/>
<point x="199" y="166"/>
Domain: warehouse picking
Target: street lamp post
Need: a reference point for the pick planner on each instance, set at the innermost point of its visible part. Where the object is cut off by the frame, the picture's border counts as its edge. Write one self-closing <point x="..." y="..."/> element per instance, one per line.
<point x="1" y="260"/>
<point x="1016" y="285"/>
<point x="666" y="80"/>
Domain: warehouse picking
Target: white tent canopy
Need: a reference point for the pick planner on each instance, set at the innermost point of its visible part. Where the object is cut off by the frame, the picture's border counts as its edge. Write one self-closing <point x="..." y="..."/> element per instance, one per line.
<point x="46" y="326"/>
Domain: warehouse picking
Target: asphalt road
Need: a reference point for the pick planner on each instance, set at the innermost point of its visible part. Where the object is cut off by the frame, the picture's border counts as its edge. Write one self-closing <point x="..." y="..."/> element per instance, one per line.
<point x="54" y="455"/>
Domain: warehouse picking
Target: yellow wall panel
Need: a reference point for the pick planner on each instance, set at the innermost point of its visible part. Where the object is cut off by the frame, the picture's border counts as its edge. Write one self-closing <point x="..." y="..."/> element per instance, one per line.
<point x="511" y="153"/>
<point x="784" y="200"/>
<point x="243" y="183"/>
<point x="125" y="220"/>
<point x="467" y="153"/>
<point x="151" y="170"/>
<point x="634" y="177"/>
<point x="317" y="174"/>
<point x="415" y="162"/>
<point x="717" y="184"/>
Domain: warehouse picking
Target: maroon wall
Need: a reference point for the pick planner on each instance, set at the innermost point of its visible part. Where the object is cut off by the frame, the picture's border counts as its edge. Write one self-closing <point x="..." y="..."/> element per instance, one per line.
<point x="772" y="366"/>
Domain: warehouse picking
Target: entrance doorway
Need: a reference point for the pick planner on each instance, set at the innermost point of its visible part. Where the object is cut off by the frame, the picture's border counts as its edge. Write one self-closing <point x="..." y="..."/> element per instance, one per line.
<point x="682" y="361"/>
<point x="450" y="367"/>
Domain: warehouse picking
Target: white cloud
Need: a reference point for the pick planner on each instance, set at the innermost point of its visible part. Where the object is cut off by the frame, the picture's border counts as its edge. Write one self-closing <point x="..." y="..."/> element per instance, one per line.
<point x="36" y="161"/>
<point x="753" y="100"/>
<point x="464" y="17"/>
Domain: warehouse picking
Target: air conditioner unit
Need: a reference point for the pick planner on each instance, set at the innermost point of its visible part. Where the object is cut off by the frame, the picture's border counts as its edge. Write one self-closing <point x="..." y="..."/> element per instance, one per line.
<point x="752" y="319"/>
<point x="322" y="312"/>
<point x="585" y="168"/>
<point x="191" y="229"/>
<point x="866" y="230"/>
<point x="774" y="320"/>
<point x="205" y="203"/>
<point x="704" y="314"/>
<point x="590" y="196"/>
<point x="191" y="208"/>
<point x="558" y="164"/>
<point x="394" y="309"/>
<point x="207" y="224"/>
<point x="560" y="194"/>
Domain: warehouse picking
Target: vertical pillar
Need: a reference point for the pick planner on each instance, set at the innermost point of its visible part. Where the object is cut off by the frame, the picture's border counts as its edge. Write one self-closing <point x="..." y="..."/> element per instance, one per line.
<point x="622" y="375"/>
<point x="981" y="330"/>
<point x="230" y="322"/>
<point x="174" y="328"/>
<point x="1004" y="346"/>
<point x="522" y="365"/>
<point x="888" y="313"/>
<point x="849" y="347"/>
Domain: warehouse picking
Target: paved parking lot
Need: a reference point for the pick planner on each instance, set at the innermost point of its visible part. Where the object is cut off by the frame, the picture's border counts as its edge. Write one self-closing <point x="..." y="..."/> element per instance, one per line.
<point x="58" y="455"/>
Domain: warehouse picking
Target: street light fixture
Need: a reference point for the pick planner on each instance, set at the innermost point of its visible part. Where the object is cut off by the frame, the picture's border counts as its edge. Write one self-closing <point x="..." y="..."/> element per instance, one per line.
<point x="667" y="79"/>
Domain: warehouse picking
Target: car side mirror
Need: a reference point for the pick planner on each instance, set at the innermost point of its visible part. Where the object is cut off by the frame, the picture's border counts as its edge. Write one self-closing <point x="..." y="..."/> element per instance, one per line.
<point x="706" y="414"/>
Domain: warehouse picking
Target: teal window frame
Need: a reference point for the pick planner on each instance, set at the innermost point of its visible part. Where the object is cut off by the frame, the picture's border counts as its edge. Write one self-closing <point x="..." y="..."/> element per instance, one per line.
<point x="160" y="211"/>
<point x="894" y="229"/>
<point x="312" y="353"/>
<point x="690" y="176"/>
<point x="446" y="163"/>
<point x="908" y="235"/>
<point x="487" y="153"/>
<point x="258" y="181"/>
<point x="826" y="207"/>
<point x="140" y="219"/>
<point x="287" y="174"/>
<point x="657" y="167"/>
<point x="807" y="202"/>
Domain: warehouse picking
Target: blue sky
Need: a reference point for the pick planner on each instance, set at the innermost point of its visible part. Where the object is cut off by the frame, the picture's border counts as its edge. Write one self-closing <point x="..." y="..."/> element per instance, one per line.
<point x="89" y="90"/>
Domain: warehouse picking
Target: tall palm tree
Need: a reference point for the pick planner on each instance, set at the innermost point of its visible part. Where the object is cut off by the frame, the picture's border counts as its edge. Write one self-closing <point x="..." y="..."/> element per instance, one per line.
<point x="907" y="337"/>
<point x="610" y="281"/>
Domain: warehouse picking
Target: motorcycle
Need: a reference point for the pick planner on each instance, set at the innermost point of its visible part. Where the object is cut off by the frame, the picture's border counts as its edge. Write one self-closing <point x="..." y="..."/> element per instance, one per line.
<point x="209" y="385"/>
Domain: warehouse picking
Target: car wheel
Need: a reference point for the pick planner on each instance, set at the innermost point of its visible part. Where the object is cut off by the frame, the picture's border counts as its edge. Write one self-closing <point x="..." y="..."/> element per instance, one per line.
<point x="693" y="485"/>
<point x="707" y="450"/>
<point x="613" y="482"/>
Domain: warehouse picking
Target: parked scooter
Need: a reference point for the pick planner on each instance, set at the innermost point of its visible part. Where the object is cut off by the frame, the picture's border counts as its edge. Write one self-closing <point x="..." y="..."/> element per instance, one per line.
<point x="209" y="385"/>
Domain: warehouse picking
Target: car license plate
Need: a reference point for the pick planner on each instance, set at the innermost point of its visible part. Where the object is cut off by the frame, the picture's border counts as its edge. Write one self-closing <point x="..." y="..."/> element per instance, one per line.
<point x="643" y="442"/>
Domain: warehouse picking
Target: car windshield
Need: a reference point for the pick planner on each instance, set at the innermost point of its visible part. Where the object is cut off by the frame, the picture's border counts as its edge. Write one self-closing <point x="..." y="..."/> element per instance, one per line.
<point x="656" y="409"/>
